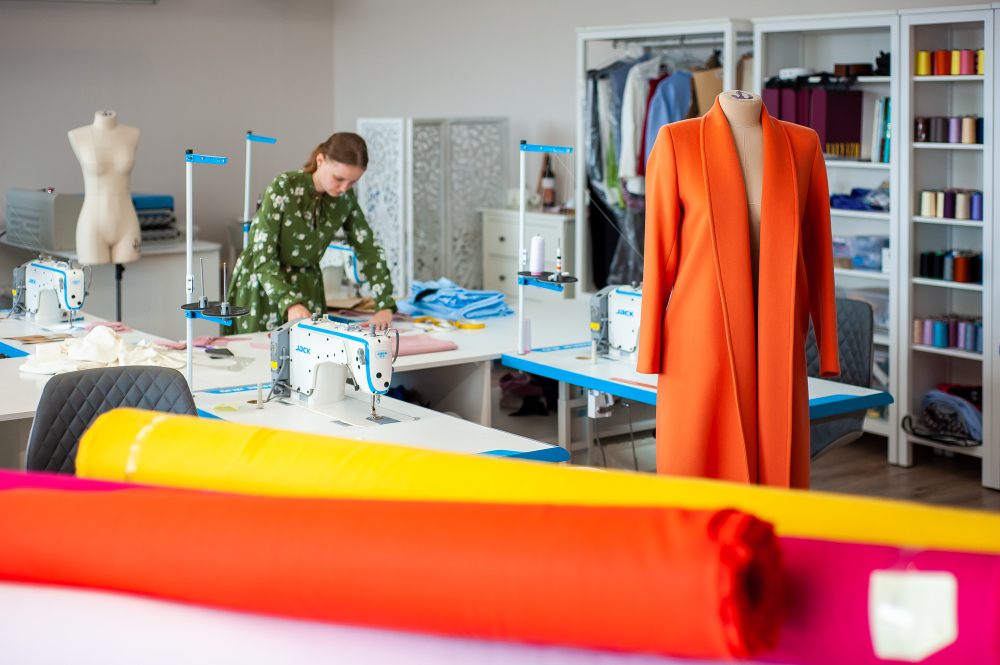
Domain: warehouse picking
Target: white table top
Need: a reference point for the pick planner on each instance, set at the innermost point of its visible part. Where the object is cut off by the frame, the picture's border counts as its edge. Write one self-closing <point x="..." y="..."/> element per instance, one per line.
<point x="572" y="364"/>
<point x="148" y="248"/>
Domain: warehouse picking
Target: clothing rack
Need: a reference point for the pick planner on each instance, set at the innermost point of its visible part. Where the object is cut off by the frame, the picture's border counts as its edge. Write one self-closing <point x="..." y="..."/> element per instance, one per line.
<point x="679" y="42"/>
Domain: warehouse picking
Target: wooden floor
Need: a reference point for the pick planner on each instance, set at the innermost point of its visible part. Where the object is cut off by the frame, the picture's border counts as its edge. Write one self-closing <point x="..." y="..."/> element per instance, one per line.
<point x="861" y="468"/>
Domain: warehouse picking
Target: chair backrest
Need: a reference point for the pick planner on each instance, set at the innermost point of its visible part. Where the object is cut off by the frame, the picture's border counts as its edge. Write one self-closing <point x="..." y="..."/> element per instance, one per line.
<point x="71" y="401"/>
<point x="855" y="327"/>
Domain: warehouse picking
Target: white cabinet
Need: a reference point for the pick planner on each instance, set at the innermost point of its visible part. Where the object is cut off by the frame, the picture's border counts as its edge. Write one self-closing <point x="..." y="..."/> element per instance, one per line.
<point x="500" y="249"/>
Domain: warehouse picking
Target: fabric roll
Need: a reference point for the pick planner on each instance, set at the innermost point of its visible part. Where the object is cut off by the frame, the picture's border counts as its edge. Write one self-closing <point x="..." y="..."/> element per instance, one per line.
<point x="928" y="332"/>
<point x="956" y="63"/>
<point x="977" y="206"/>
<point x="942" y="63"/>
<point x="969" y="130"/>
<point x="940" y="334"/>
<point x="922" y="131"/>
<point x="963" y="205"/>
<point x="39" y="480"/>
<point x="954" y="130"/>
<point x="183" y="451"/>
<point x="923" y="63"/>
<point x="967" y="65"/>
<point x="939" y="129"/>
<point x="697" y="584"/>
<point x="833" y="608"/>
<point x="928" y="203"/>
<point x="949" y="204"/>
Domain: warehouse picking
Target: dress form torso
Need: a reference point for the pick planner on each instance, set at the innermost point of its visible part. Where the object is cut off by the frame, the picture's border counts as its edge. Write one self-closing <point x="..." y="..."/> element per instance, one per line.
<point x="742" y="111"/>
<point x="108" y="228"/>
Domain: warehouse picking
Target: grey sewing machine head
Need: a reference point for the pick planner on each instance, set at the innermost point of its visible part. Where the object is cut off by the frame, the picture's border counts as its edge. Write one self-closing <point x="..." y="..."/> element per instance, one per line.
<point x="49" y="291"/>
<point x="313" y="357"/>
<point x="614" y="320"/>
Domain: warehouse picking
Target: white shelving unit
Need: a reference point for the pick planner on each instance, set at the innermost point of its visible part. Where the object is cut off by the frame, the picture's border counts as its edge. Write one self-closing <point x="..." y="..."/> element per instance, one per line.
<point x="819" y="42"/>
<point x="598" y="45"/>
<point x="935" y="166"/>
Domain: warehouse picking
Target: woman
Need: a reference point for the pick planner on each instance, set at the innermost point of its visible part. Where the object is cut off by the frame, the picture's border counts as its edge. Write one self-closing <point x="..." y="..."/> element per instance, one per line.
<point x="278" y="276"/>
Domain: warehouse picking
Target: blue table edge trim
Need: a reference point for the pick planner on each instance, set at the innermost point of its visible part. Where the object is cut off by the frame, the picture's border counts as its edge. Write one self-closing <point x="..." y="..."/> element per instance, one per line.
<point x="12" y="352"/>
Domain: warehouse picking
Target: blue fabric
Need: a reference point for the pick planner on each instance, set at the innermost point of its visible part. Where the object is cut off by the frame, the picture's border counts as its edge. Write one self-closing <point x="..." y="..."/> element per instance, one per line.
<point x="670" y="103"/>
<point x="618" y="75"/>
<point x="451" y="301"/>
<point x="961" y="410"/>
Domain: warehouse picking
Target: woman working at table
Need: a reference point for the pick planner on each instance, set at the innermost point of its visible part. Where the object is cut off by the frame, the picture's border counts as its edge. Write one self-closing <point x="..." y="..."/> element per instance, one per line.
<point x="277" y="276"/>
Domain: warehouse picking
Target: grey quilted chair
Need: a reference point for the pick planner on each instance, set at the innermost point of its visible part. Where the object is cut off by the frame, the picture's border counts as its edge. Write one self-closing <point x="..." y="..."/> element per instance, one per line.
<point x="71" y="401"/>
<point x="854" y="336"/>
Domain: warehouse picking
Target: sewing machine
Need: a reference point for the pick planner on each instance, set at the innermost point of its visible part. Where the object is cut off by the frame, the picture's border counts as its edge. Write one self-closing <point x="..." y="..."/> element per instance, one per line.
<point x="614" y="320"/>
<point x="40" y="218"/>
<point x="312" y="358"/>
<point x="49" y="291"/>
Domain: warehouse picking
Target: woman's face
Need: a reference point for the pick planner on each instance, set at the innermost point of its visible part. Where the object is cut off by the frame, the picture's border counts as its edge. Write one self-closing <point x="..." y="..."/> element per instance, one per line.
<point x="333" y="177"/>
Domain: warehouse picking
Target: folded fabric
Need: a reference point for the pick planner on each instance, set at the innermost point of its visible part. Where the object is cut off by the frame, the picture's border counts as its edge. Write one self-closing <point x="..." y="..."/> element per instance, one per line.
<point x="446" y="299"/>
<point x="183" y="451"/>
<point x="837" y="614"/>
<point x="950" y="414"/>
<point x="117" y="326"/>
<point x="697" y="584"/>
<point x="411" y="345"/>
<point x="101" y="347"/>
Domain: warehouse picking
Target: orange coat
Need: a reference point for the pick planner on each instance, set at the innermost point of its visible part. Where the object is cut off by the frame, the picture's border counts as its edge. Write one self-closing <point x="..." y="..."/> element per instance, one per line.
<point x="730" y="406"/>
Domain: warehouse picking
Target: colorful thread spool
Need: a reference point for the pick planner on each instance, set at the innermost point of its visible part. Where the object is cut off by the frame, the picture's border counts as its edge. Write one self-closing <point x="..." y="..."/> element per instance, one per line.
<point x="942" y="63"/>
<point x="923" y="63"/>
<point x="926" y="262"/>
<point x="937" y="271"/>
<point x="977" y="206"/>
<point x="928" y="205"/>
<point x="969" y="129"/>
<point x="956" y="63"/>
<point x="939" y="129"/>
<point x="962" y="269"/>
<point x="981" y="61"/>
<point x="979" y="336"/>
<point x="928" y="332"/>
<point x="954" y="130"/>
<point x="940" y="340"/>
<point x="963" y="205"/>
<point x="918" y="331"/>
<point x="968" y="63"/>
<point x="980" y="129"/>
<point x="922" y="130"/>
<point x="948" y="273"/>
<point x="949" y="204"/>
<point x="962" y="335"/>
<point x="953" y="332"/>
<point x="939" y="204"/>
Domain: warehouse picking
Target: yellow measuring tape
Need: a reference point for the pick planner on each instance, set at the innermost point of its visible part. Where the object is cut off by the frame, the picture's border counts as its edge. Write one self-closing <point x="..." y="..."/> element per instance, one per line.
<point x="463" y="325"/>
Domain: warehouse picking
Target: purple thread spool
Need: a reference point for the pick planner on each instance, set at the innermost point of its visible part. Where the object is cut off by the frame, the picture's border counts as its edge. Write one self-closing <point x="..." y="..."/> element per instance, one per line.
<point x="928" y="332"/>
<point x="954" y="130"/>
<point x="977" y="206"/>
<point x="953" y="333"/>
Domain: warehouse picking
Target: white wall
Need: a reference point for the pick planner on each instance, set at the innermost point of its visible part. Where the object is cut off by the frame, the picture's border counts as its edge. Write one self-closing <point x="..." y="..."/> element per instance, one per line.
<point x="514" y="58"/>
<point x="188" y="73"/>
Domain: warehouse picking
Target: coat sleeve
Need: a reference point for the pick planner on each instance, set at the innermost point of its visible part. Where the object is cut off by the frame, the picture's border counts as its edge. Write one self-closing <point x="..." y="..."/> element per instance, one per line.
<point x="663" y="219"/>
<point x="266" y="243"/>
<point x="817" y="252"/>
<point x="371" y="257"/>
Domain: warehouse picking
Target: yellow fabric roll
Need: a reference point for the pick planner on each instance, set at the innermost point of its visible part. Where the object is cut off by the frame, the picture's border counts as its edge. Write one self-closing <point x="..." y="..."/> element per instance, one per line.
<point x="184" y="451"/>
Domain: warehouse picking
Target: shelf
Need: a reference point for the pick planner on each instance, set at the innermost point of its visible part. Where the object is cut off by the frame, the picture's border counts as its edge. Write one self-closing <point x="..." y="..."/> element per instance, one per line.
<point x="948" y="351"/>
<point x="949" y="78"/>
<point x="873" y="79"/>
<point x="965" y="286"/>
<point x="860" y="214"/>
<point x="949" y="222"/>
<point x="863" y="274"/>
<point x="880" y="339"/>
<point x="972" y="451"/>
<point x="878" y="426"/>
<point x="855" y="164"/>
<point x="924" y="145"/>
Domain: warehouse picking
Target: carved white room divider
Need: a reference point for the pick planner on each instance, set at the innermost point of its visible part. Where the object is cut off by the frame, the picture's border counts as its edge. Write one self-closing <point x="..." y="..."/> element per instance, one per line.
<point x="425" y="181"/>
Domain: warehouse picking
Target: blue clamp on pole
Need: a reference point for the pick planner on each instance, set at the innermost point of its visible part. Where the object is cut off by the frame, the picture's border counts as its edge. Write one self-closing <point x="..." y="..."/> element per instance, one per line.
<point x="531" y="281"/>
<point x="530" y="147"/>
<point x="195" y="314"/>
<point x="205" y="159"/>
<point x="260" y="139"/>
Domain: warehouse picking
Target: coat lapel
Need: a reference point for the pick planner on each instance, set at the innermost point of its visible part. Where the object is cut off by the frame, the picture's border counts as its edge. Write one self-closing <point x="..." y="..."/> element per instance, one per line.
<point x="731" y="243"/>
<point x="779" y="247"/>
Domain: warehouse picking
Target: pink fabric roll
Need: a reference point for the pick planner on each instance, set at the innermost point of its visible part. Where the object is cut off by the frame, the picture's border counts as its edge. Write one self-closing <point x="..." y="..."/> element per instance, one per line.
<point x="415" y="344"/>
<point x="10" y="480"/>
<point x="828" y="609"/>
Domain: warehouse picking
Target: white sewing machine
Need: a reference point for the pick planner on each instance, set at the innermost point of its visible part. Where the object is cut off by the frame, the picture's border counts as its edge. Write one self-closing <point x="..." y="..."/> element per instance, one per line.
<point x="49" y="291"/>
<point x="614" y="320"/>
<point x="312" y="358"/>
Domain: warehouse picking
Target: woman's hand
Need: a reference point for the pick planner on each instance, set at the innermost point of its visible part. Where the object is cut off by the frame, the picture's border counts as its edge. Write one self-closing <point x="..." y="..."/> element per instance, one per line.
<point x="297" y="311"/>
<point x="382" y="319"/>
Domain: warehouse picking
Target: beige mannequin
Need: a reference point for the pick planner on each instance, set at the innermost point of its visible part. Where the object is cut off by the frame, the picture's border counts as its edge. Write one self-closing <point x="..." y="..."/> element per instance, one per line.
<point x="108" y="229"/>
<point x="742" y="110"/>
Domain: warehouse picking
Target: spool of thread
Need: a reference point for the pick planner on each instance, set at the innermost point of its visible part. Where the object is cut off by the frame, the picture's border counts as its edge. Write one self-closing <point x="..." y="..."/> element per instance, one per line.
<point x="923" y="63"/>
<point x="939" y="204"/>
<point x="976" y="261"/>
<point x="922" y="131"/>
<point x="948" y="274"/>
<point x="537" y="261"/>
<point x="980" y="129"/>
<point x="953" y="333"/>
<point x="962" y="335"/>
<point x="949" y="203"/>
<point x="962" y="270"/>
<point x="970" y="336"/>
<point x="937" y="269"/>
<point x="942" y="63"/>
<point x="981" y="61"/>
<point x="977" y="206"/>
<point x="928" y="203"/>
<point x="979" y="336"/>
<point x="963" y="205"/>
<point x="968" y="63"/>
<point x="918" y="331"/>
<point x="928" y="332"/>
<point x="954" y="130"/>
<point x="939" y="129"/>
<point x="940" y="334"/>
<point x="969" y="129"/>
<point x="926" y="262"/>
<point x="956" y="63"/>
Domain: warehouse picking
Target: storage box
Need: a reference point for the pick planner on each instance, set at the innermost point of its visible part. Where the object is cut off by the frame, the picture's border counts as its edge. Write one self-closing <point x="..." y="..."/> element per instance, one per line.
<point x="866" y="252"/>
<point x="877" y="298"/>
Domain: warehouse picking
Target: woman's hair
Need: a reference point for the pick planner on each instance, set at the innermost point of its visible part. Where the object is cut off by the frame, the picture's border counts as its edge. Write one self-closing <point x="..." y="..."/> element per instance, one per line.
<point x="344" y="147"/>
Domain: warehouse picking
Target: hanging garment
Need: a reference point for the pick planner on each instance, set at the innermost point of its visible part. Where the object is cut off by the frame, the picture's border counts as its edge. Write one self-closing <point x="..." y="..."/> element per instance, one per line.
<point x="669" y="103"/>
<point x="633" y="117"/>
<point x="618" y="77"/>
<point x="729" y="406"/>
<point x="626" y="264"/>
<point x="643" y="147"/>
<point x="610" y="185"/>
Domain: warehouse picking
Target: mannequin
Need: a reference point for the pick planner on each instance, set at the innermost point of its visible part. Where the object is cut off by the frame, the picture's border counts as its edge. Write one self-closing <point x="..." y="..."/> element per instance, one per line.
<point x="727" y="297"/>
<point x="742" y="110"/>
<point x="108" y="228"/>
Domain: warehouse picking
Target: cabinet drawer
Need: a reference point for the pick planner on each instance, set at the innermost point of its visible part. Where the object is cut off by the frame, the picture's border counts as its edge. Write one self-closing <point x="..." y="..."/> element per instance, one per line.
<point x="500" y="274"/>
<point x="501" y="238"/>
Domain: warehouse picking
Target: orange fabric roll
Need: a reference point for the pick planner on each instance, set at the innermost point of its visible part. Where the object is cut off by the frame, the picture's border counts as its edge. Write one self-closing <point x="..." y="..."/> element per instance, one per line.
<point x="706" y="584"/>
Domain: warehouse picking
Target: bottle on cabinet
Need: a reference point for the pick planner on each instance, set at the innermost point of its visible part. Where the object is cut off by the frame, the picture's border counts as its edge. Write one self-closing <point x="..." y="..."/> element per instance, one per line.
<point x="548" y="187"/>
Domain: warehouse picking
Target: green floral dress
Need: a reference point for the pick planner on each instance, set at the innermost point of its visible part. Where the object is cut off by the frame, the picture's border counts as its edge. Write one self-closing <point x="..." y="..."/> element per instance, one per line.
<point x="288" y="237"/>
